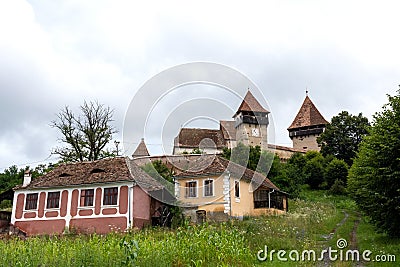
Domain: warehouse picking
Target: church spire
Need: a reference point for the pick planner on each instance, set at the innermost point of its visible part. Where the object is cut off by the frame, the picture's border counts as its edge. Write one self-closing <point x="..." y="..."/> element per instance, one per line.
<point x="141" y="150"/>
<point x="250" y="104"/>
<point x="308" y="115"/>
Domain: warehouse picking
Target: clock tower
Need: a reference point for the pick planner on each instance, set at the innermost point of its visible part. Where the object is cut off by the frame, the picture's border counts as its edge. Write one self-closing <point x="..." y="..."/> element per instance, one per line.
<point x="251" y="123"/>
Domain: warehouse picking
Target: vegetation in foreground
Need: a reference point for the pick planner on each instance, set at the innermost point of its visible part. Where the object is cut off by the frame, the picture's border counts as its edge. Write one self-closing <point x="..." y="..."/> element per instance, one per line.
<point x="306" y="226"/>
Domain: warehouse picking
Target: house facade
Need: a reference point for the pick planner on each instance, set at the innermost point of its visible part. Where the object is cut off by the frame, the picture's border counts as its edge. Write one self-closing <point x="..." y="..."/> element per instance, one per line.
<point x="215" y="187"/>
<point x="101" y="196"/>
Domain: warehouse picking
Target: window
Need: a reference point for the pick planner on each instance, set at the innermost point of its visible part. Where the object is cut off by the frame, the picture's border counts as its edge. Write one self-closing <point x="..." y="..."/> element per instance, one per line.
<point x="237" y="189"/>
<point x="208" y="188"/>
<point x="31" y="201"/>
<point x="53" y="200"/>
<point x="191" y="189"/>
<point x="87" y="196"/>
<point x="110" y="196"/>
<point x="260" y="198"/>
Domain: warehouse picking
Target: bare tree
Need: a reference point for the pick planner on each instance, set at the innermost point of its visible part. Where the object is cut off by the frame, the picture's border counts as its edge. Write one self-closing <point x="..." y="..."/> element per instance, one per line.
<point x="86" y="135"/>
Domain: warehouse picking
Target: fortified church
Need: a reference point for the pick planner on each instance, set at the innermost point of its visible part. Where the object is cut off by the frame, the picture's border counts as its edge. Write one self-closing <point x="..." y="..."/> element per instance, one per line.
<point x="250" y="127"/>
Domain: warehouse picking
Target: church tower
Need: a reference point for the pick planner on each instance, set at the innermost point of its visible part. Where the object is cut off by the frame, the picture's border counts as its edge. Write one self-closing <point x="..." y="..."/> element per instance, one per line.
<point x="251" y="123"/>
<point x="307" y="127"/>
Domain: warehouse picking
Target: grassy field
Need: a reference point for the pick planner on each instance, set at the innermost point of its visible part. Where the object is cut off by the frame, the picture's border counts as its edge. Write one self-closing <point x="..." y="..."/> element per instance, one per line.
<point x="314" y="222"/>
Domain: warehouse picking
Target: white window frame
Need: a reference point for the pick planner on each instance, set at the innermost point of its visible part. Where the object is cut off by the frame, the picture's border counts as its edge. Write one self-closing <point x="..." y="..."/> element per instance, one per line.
<point x="37" y="201"/>
<point x="187" y="189"/>
<point x="237" y="198"/>
<point x="47" y="200"/>
<point x="212" y="188"/>
<point x="80" y="197"/>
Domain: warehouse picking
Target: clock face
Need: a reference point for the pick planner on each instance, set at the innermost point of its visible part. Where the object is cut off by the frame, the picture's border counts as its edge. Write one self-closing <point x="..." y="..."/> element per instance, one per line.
<point x="255" y="132"/>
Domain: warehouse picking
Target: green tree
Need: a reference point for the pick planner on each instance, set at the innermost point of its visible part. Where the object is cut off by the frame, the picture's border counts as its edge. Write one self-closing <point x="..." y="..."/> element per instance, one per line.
<point x="314" y="169"/>
<point x="336" y="169"/>
<point x="269" y="164"/>
<point x="374" y="178"/>
<point x="85" y="135"/>
<point x="157" y="168"/>
<point x="343" y="135"/>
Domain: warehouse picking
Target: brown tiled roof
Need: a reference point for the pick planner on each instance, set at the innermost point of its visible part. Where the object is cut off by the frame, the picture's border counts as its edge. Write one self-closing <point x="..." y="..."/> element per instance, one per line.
<point x="250" y="103"/>
<point x="284" y="148"/>
<point x="228" y="129"/>
<point x="211" y="165"/>
<point x="141" y="150"/>
<point x="94" y="172"/>
<point x="308" y="115"/>
<point x="190" y="138"/>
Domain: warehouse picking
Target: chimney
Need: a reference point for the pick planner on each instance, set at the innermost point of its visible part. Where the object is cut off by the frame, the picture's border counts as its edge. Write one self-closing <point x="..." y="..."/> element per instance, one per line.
<point x="27" y="178"/>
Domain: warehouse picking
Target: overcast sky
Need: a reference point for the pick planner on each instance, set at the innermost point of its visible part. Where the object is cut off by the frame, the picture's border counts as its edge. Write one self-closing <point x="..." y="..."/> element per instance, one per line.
<point x="57" y="53"/>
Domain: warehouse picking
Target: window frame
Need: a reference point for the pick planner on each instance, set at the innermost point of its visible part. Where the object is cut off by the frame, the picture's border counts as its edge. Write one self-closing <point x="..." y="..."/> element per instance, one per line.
<point x="261" y="198"/>
<point x="188" y="189"/>
<point x="84" y="198"/>
<point x="29" y="201"/>
<point x="237" y="189"/>
<point x="53" y="200"/>
<point x="205" y="190"/>
<point x="111" y="196"/>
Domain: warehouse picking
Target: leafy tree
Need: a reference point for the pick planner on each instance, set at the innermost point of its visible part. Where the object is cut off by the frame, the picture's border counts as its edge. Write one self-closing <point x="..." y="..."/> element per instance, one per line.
<point x="157" y="168"/>
<point x="11" y="177"/>
<point x="314" y="170"/>
<point x="343" y="135"/>
<point x="374" y="178"/>
<point x="269" y="164"/>
<point x="85" y="135"/>
<point x="336" y="170"/>
<point x="288" y="180"/>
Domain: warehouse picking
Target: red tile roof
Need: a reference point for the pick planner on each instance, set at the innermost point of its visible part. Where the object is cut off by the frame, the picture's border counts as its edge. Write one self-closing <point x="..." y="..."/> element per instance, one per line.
<point x="308" y="115"/>
<point x="211" y="165"/>
<point x="251" y="104"/>
<point x="228" y="129"/>
<point x="192" y="138"/>
<point x="94" y="172"/>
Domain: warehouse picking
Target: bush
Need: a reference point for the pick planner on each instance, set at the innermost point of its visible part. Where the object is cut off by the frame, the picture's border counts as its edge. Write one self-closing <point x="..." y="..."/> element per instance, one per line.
<point x="5" y="204"/>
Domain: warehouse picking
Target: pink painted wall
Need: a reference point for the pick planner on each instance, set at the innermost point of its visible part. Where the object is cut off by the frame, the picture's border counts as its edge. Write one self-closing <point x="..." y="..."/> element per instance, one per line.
<point x="40" y="227"/>
<point x="19" y="208"/>
<point x="141" y="204"/>
<point x="64" y="202"/>
<point x="123" y="200"/>
<point x="74" y="202"/>
<point x="98" y="201"/>
<point x="99" y="225"/>
<point x="42" y="199"/>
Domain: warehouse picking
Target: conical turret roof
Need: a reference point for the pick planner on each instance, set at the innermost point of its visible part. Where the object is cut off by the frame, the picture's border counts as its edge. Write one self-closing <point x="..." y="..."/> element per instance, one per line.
<point x="308" y="115"/>
<point x="251" y="104"/>
<point x="141" y="150"/>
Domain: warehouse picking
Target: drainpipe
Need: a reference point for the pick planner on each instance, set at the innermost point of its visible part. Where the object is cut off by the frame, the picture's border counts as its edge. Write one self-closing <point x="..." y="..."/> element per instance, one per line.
<point x="230" y="196"/>
<point x="130" y="191"/>
<point x="269" y="198"/>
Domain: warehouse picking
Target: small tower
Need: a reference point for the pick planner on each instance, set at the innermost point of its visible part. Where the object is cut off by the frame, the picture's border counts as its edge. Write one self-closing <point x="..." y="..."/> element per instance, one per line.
<point x="251" y="123"/>
<point x="307" y="127"/>
<point x="141" y="150"/>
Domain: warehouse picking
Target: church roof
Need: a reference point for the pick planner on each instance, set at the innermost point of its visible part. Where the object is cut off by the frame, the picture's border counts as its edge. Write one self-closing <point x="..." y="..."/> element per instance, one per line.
<point x="228" y="129"/>
<point x="192" y="138"/>
<point x="141" y="150"/>
<point x="308" y="115"/>
<point x="250" y="103"/>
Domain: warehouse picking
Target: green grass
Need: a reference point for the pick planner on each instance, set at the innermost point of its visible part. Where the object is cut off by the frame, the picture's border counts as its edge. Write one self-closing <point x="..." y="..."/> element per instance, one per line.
<point x="233" y="243"/>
